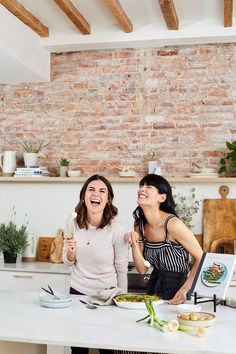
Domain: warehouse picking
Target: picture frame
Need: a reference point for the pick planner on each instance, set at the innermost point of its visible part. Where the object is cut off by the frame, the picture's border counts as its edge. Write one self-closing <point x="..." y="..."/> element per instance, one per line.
<point x="214" y="275"/>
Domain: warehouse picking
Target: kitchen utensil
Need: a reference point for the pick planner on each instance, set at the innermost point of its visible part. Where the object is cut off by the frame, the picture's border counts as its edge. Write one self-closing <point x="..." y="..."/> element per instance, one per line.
<point x="219" y="220"/>
<point x="8" y="162"/>
<point x="29" y="253"/>
<point x="146" y="263"/>
<point x="51" y="292"/>
<point x="70" y="222"/>
<point x="88" y="305"/>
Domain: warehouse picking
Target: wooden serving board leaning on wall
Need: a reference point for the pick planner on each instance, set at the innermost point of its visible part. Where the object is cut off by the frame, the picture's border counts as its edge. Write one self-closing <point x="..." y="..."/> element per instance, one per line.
<point x="219" y="222"/>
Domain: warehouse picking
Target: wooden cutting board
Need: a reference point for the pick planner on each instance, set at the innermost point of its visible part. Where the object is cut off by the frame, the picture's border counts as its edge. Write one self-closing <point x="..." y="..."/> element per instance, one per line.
<point x="44" y="249"/>
<point x="219" y="220"/>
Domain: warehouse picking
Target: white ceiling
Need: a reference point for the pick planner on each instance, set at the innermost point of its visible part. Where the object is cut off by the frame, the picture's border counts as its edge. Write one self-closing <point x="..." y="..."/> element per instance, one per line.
<point x="200" y="21"/>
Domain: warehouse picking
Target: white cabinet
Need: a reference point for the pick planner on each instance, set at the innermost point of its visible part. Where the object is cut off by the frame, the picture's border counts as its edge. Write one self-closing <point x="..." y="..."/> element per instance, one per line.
<point x="32" y="281"/>
<point x="32" y="277"/>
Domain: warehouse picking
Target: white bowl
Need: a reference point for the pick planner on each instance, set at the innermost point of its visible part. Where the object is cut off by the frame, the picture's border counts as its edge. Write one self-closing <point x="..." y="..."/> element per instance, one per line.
<point x="207" y="170"/>
<point x="74" y="173"/>
<point x="127" y="174"/>
<point x="50" y="301"/>
<point x="188" y="308"/>
<point x="205" y="319"/>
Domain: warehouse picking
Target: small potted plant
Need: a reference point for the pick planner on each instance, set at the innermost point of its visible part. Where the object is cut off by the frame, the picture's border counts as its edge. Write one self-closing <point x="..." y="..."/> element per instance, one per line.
<point x="228" y="161"/>
<point x="32" y="149"/>
<point x="13" y="240"/>
<point x="64" y="163"/>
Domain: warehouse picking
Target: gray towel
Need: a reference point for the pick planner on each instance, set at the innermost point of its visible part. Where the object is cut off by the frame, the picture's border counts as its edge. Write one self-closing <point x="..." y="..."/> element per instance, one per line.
<point x="105" y="297"/>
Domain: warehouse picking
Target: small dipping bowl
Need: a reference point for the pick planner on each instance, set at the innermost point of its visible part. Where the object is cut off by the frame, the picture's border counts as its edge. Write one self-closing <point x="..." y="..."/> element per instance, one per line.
<point x="188" y="308"/>
<point x="74" y="173"/>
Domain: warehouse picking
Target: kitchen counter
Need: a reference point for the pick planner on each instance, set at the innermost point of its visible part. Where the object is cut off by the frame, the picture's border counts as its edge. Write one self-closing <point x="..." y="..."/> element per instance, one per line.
<point x="36" y="267"/>
<point x="108" y="327"/>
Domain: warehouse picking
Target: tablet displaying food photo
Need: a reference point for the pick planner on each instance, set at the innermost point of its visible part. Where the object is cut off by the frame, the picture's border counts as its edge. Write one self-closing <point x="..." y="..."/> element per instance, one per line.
<point x="214" y="275"/>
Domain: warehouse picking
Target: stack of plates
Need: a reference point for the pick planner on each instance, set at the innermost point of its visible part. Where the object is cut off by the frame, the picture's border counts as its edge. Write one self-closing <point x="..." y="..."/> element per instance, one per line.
<point x="60" y="300"/>
<point x="203" y="175"/>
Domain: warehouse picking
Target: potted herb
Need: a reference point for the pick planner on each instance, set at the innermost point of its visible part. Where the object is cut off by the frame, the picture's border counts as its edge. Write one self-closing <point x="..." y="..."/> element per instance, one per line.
<point x="64" y="163"/>
<point x="32" y="149"/>
<point x="13" y="240"/>
<point x="228" y="161"/>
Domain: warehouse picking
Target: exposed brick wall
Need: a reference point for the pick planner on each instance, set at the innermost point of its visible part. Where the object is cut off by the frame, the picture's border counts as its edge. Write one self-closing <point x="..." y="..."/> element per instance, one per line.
<point x="111" y="106"/>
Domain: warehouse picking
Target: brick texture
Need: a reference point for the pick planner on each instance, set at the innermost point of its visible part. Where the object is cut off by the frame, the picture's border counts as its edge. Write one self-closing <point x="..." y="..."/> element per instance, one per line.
<point x="110" y="107"/>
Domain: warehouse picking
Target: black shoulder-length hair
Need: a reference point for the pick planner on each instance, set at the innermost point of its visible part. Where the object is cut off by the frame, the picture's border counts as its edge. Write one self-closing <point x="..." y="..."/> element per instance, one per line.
<point x="109" y="212"/>
<point x="163" y="187"/>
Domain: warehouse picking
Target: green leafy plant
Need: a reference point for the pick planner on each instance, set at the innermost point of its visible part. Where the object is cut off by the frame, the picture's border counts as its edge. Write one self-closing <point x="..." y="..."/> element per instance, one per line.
<point x="228" y="161"/>
<point x="12" y="239"/>
<point x="186" y="207"/>
<point x="32" y="146"/>
<point x="64" y="162"/>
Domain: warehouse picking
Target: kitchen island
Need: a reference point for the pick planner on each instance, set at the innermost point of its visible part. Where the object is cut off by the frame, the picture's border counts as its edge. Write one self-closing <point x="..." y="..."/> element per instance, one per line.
<point x="23" y="320"/>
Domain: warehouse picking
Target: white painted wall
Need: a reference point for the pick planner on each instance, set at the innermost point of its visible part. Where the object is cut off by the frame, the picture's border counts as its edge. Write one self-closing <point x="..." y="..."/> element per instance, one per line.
<point x="48" y="205"/>
<point x="22" y="59"/>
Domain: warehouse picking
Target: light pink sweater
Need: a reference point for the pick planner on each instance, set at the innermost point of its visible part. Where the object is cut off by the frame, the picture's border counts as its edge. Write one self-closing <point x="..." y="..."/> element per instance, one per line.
<point x="103" y="262"/>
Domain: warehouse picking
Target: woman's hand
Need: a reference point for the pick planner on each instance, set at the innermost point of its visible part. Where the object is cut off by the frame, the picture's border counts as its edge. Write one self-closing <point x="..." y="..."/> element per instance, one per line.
<point x="179" y="298"/>
<point x="132" y="238"/>
<point x="70" y="244"/>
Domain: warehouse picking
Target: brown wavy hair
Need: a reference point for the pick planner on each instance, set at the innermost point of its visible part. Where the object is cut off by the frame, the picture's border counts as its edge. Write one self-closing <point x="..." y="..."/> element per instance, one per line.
<point x="109" y="212"/>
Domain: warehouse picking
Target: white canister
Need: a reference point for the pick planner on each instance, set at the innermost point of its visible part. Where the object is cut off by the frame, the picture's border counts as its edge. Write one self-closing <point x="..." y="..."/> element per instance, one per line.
<point x="8" y="162"/>
<point x="30" y="252"/>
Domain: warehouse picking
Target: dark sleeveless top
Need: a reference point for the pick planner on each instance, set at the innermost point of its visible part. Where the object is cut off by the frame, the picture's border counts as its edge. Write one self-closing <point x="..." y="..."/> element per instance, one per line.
<point x="166" y="255"/>
<point x="170" y="262"/>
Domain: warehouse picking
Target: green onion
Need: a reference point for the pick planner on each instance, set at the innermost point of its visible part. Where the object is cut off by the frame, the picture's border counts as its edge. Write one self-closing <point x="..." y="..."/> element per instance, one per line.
<point x="164" y="326"/>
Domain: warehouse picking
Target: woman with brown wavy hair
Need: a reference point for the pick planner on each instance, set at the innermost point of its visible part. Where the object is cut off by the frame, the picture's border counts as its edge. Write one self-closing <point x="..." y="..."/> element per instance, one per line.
<point x="96" y="249"/>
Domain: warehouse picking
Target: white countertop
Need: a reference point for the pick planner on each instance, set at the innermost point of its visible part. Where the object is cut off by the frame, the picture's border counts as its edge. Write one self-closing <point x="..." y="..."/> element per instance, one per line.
<point x="24" y="320"/>
<point x="36" y="267"/>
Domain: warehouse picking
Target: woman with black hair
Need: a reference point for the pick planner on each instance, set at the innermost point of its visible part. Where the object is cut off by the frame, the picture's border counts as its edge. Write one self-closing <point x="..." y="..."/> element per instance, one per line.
<point x="164" y="240"/>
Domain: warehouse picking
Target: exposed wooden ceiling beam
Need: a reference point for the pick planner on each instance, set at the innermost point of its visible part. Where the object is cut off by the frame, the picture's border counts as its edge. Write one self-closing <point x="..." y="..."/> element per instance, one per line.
<point x="169" y="14"/>
<point x="74" y="15"/>
<point x="228" y="13"/>
<point x="25" y="16"/>
<point x="120" y="15"/>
